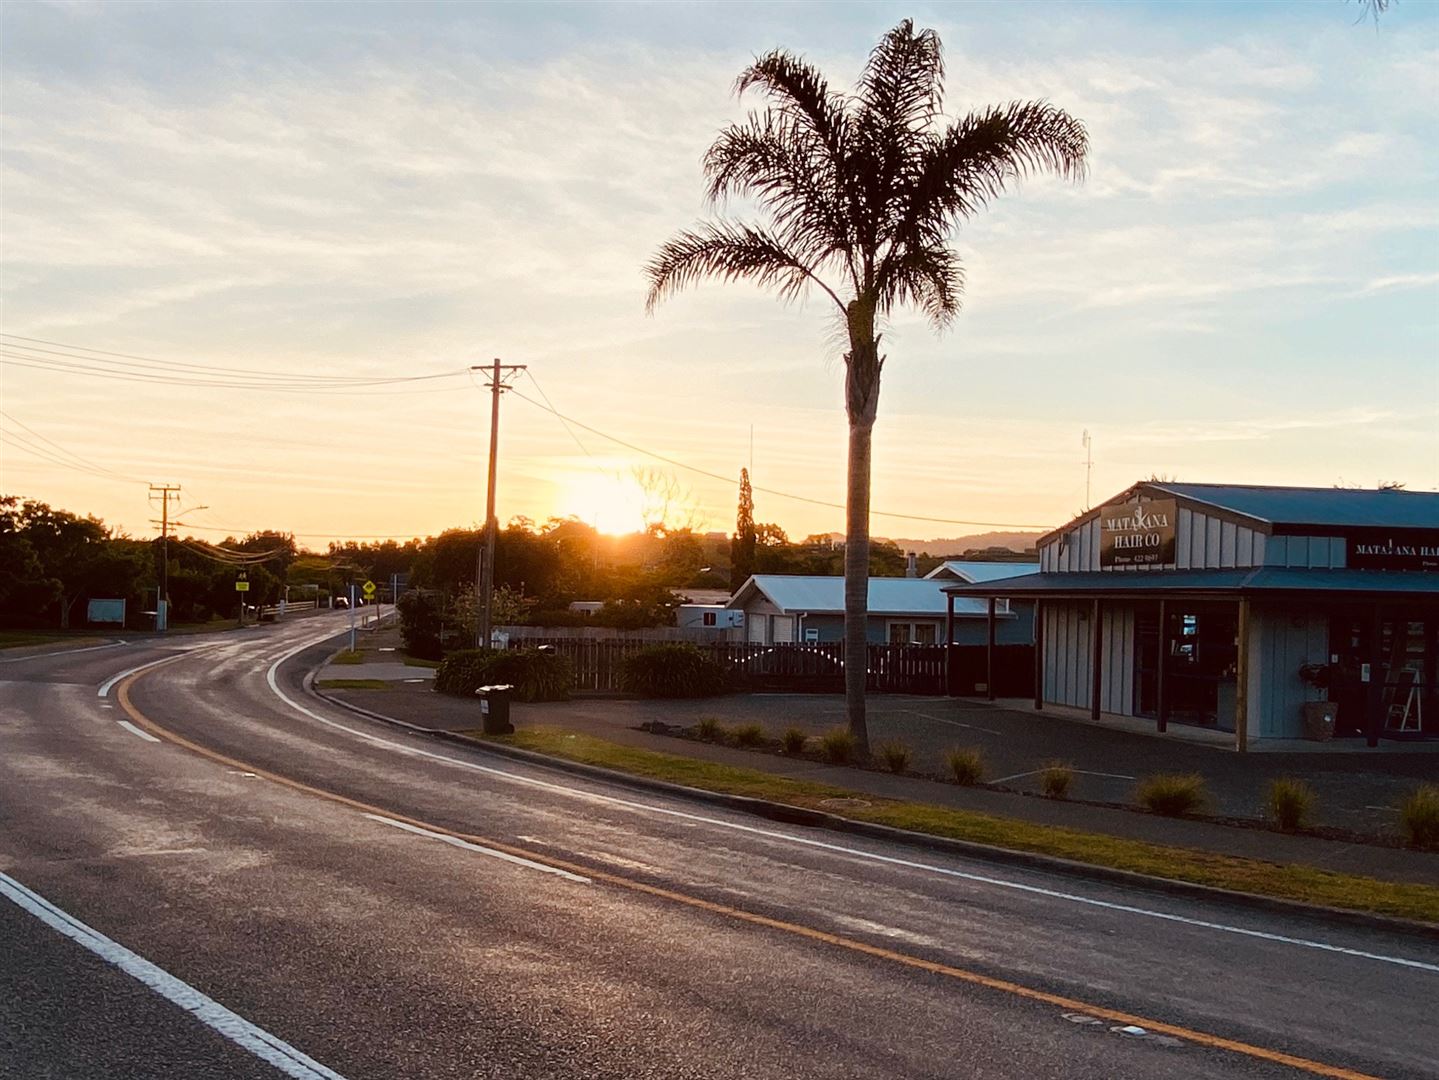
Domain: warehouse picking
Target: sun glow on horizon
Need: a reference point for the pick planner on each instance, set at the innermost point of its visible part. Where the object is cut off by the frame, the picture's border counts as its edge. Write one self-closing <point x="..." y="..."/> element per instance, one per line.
<point x="611" y="500"/>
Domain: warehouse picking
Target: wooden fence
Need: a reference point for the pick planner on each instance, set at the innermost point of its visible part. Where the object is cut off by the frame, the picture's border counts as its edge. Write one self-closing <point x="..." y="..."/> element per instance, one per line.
<point x="815" y="668"/>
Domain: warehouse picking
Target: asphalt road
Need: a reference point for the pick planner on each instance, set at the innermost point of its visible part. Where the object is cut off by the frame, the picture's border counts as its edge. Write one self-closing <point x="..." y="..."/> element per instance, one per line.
<point x="393" y="906"/>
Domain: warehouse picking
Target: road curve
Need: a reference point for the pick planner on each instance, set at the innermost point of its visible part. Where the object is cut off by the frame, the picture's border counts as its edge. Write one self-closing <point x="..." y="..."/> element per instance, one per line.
<point x="390" y="906"/>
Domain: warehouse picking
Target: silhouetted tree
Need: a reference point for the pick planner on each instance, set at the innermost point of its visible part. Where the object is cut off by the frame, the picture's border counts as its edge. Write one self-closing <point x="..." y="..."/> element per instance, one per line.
<point x="862" y="192"/>
<point x="742" y="549"/>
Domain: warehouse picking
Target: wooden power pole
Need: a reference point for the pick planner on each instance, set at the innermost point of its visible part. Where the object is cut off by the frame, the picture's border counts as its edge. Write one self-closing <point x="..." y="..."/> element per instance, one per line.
<point x="495" y="375"/>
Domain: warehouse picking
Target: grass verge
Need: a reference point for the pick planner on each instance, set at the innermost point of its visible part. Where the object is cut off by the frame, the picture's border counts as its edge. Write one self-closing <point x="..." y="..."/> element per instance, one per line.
<point x="15" y="639"/>
<point x="352" y="684"/>
<point x="349" y="656"/>
<point x="1287" y="882"/>
<point x="419" y="661"/>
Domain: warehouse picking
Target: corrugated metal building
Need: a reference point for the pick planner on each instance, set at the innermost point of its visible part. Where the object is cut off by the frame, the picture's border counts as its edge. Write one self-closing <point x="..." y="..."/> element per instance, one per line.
<point x="1201" y="603"/>
<point x="799" y="608"/>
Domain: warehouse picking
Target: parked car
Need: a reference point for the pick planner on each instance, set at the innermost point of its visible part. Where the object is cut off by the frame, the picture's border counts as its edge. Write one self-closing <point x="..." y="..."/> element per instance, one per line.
<point x="339" y="602"/>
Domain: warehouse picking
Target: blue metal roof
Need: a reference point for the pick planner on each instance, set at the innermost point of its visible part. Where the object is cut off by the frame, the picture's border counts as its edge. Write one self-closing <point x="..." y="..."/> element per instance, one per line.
<point x="796" y="593"/>
<point x="974" y="570"/>
<point x="1261" y="579"/>
<point x="1336" y="507"/>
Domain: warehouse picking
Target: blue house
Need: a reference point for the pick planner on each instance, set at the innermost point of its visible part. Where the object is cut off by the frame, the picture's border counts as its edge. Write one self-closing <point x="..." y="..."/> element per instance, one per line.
<point x="798" y="608"/>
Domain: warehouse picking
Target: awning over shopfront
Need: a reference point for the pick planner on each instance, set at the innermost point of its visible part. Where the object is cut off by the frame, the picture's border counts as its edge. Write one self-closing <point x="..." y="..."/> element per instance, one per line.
<point x="1276" y="581"/>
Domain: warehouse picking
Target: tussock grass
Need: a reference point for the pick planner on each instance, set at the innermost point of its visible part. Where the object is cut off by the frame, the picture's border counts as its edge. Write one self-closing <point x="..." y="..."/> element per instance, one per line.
<point x="838" y="745"/>
<point x="1419" y="817"/>
<point x="749" y="735"/>
<point x="895" y="756"/>
<point x="1055" y="779"/>
<point x="966" y="764"/>
<point x="710" y="730"/>
<point x="1289" y="802"/>
<point x="1289" y="882"/>
<point x="794" y="740"/>
<point x="1172" y="794"/>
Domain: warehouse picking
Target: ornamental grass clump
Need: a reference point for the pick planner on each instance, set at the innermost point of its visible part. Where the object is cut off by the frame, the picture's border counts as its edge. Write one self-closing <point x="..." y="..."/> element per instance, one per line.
<point x="1055" y="779"/>
<point x="895" y="756"/>
<point x="749" y="735"/>
<point x="966" y="764"/>
<point x="1289" y="802"/>
<point x="1172" y="794"/>
<point x="838" y="745"/>
<point x="710" y="730"/>
<point x="1419" y="817"/>
<point x="793" y="740"/>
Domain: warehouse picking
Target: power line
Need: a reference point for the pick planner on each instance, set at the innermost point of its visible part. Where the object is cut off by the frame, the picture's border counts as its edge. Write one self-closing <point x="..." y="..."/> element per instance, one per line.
<point x="131" y="360"/>
<point x="768" y="491"/>
<point x="83" y="464"/>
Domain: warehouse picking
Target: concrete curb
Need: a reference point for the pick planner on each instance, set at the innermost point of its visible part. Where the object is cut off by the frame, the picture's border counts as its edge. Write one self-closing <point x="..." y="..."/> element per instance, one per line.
<point x="798" y="815"/>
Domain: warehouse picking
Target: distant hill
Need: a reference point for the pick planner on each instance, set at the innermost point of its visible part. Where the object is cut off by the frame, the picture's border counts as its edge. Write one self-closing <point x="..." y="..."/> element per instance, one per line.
<point x="958" y="545"/>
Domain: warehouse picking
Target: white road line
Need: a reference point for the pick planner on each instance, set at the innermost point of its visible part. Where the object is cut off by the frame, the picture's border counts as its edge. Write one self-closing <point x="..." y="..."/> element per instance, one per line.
<point x="133" y="730"/>
<point x="61" y="652"/>
<point x="822" y="845"/>
<point x="455" y="841"/>
<point x="946" y="720"/>
<point x="236" y="1028"/>
<point x="109" y="684"/>
<point x="1077" y="772"/>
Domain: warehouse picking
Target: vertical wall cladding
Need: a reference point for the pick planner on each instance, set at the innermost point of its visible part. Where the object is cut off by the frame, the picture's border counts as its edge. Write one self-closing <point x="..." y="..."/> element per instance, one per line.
<point x="1281" y="640"/>
<point x="1117" y="678"/>
<point x="1307" y="552"/>
<point x="1067" y="654"/>
<point x="1202" y="542"/>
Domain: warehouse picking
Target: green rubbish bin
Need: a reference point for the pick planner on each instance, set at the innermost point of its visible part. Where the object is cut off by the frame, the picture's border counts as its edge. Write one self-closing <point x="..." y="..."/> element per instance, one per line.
<point x="495" y="707"/>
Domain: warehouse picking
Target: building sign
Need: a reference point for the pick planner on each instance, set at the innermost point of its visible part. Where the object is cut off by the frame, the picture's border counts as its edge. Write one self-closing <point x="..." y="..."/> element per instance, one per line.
<point x="106" y="611"/>
<point x="1137" y="533"/>
<point x="1392" y="549"/>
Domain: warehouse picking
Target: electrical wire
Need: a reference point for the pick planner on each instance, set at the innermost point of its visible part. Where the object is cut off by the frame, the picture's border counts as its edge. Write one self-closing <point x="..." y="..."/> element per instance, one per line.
<point x="768" y="491"/>
<point x="81" y="463"/>
<point x="131" y="360"/>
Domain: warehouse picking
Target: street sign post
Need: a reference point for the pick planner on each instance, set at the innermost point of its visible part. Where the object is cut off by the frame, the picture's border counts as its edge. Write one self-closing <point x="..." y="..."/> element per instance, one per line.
<point x="242" y="586"/>
<point x="369" y="588"/>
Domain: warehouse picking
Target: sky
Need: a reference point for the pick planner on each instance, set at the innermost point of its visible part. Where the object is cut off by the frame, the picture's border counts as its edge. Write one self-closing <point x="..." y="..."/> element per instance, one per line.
<point x="1244" y="290"/>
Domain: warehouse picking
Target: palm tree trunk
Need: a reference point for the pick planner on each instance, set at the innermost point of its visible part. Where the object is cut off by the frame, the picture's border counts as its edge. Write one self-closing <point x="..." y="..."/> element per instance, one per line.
<point x="856" y="583"/>
<point x="862" y="368"/>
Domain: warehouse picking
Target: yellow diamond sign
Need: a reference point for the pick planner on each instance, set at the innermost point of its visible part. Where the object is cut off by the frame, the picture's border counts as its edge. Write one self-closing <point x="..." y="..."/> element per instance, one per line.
<point x="368" y="588"/>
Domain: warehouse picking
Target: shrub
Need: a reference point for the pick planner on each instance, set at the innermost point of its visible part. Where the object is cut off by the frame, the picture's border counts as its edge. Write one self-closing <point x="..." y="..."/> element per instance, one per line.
<point x="966" y="763"/>
<point x="462" y="672"/>
<point x="1172" y="794"/>
<point x="710" y="730"/>
<point x="749" y="735"/>
<point x="1289" y="802"/>
<point x="1419" y="817"/>
<point x="1055" y="779"/>
<point x="672" y="670"/>
<point x="838" y="745"/>
<point x="794" y="740"/>
<point x="536" y="676"/>
<point x="895" y="756"/>
<point x="421" y="623"/>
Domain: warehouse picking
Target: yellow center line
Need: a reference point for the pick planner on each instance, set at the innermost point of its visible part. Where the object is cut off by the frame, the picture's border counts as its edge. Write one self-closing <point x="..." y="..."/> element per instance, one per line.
<point x="974" y="978"/>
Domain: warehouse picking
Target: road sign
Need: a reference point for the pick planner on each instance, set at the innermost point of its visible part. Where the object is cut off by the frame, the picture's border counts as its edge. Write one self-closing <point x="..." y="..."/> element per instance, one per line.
<point x="242" y="586"/>
<point x="369" y="589"/>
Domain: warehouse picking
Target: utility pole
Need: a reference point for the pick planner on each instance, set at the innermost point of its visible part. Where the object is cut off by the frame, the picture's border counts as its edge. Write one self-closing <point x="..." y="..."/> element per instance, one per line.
<point x="162" y="601"/>
<point x="1088" y="444"/>
<point x="496" y="374"/>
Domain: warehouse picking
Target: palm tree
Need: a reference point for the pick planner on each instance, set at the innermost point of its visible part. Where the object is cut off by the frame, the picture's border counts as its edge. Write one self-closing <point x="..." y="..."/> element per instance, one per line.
<point x="862" y="192"/>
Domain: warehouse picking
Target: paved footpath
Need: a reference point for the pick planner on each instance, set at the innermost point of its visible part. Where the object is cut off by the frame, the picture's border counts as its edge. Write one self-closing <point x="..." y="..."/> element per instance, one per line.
<point x="617" y="721"/>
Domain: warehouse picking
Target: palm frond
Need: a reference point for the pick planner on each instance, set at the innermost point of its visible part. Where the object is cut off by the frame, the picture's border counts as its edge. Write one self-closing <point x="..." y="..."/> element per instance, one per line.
<point x="797" y="89"/>
<point x="929" y="276"/>
<point x="731" y="252"/>
<point x="959" y="171"/>
<point x="787" y="170"/>
<point x="903" y="81"/>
